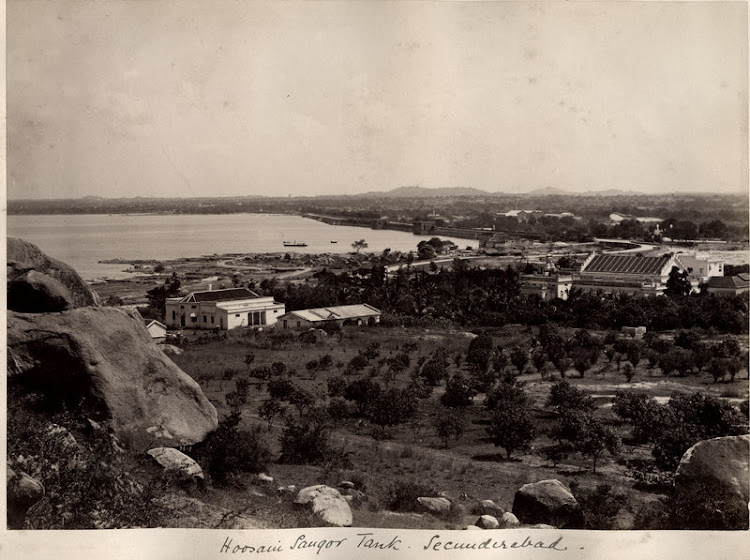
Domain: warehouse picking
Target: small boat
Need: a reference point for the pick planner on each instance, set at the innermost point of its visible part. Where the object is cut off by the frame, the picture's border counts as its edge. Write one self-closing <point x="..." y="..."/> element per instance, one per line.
<point x="294" y="244"/>
<point x="334" y="241"/>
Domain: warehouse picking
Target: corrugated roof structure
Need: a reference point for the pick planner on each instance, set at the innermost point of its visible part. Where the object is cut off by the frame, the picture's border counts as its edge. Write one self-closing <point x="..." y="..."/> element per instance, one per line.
<point x="736" y="281"/>
<point x="627" y="264"/>
<point x="336" y="313"/>
<point x="219" y="295"/>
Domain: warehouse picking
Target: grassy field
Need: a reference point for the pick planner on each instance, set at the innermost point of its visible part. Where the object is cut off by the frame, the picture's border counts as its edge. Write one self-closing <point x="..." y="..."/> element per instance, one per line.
<point x="471" y="468"/>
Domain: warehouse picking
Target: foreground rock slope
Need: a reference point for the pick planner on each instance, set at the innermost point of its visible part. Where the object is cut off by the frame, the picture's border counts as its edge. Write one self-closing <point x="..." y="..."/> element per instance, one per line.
<point x="38" y="283"/>
<point x="101" y="362"/>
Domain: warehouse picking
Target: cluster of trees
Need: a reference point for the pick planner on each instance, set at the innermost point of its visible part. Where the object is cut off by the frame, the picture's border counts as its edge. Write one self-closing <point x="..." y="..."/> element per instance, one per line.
<point x="679" y="424"/>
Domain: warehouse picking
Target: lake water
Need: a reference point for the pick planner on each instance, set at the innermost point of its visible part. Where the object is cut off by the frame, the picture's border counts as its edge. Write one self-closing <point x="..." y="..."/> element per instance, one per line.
<point x="83" y="240"/>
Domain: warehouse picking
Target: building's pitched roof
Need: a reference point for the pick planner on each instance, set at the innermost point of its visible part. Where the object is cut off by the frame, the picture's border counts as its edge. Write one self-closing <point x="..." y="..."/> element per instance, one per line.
<point x="219" y="295"/>
<point x="149" y="322"/>
<point x="627" y="264"/>
<point x="734" y="282"/>
<point x="336" y="312"/>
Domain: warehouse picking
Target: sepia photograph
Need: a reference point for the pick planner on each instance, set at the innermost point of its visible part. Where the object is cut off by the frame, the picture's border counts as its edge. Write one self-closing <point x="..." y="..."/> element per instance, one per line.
<point x="473" y="276"/>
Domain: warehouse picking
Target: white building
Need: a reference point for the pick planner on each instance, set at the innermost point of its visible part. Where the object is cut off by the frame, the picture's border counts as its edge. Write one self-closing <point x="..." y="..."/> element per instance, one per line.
<point x="222" y="309"/>
<point x="701" y="266"/>
<point x="156" y="329"/>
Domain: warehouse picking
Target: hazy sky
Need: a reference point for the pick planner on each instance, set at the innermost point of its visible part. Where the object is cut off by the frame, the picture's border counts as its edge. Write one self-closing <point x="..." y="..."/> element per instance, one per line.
<point x="181" y="98"/>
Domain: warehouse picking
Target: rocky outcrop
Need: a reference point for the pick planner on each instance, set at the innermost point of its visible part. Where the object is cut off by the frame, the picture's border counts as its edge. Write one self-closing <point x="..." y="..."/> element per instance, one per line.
<point x="173" y="460"/>
<point x="38" y="283"/>
<point x="327" y="504"/>
<point x="102" y="363"/>
<point x="549" y="502"/>
<point x="23" y="492"/>
<point x="720" y="466"/>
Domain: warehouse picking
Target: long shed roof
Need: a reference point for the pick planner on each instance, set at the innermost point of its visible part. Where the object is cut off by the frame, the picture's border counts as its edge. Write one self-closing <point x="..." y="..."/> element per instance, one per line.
<point x="627" y="264"/>
<point x="336" y="312"/>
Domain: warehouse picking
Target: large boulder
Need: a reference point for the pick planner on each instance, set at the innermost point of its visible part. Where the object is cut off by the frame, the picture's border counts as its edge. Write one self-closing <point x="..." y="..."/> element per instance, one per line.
<point x="53" y="286"/>
<point x="23" y="492"/>
<point x="549" y="502"/>
<point x="176" y="461"/>
<point x="720" y="466"/>
<point x="102" y="363"/>
<point x="327" y="504"/>
<point x="436" y="506"/>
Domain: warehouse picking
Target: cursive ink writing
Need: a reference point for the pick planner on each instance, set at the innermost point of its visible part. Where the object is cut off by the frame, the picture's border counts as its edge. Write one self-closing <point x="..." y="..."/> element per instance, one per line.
<point x="488" y="544"/>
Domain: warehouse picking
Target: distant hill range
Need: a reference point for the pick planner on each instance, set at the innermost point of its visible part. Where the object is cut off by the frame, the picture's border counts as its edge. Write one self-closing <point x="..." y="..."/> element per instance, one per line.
<point x="422" y="192"/>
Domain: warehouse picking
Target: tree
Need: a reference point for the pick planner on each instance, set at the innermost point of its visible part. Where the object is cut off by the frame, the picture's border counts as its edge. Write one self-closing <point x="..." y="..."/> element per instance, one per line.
<point x="678" y="283"/>
<point x="519" y="356"/>
<point x="390" y="408"/>
<point x="458" y="392"/>
<point x="359" y="245"/>
<point x="305" y="440"/>
<point x="157" y="297"/>
<point x="511" y="426"/>
<point x="362" y="392"/>
<point x="585" y="434"/>
<point x="269" y="410"/>
<point x="449" y="424"/>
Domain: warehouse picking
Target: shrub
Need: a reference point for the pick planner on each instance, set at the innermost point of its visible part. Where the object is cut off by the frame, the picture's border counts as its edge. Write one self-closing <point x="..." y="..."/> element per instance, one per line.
<point x="402" y="495"/>
<point x="458" y="392"/>
<point x="600" y="507"/>
<point x="305" y="440"/>
<point x="228" y="451"/>
<point x="91" y="484"/>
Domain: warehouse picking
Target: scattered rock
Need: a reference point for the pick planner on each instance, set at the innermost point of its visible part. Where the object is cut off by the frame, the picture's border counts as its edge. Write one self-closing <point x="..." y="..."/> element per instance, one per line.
<point x="489" y="507"/>
<point x="171" y="350"/>
<point x="487" y="522"/>
<point x="313" y="336"/>
<point x="509" y="520"/>
<point x="23" y="492"/>
<point x="173" y="460"/>
<point x="62" y="435"/>
<point x="102" y="362"/>
<point x="346" y="484"/>
<point x="472" y="528"/>
<point x="24" y="257"/>
<point x="720" y="466"/>
<point x="436" y="506"/>
<point x="291" y="489"/>
<point x="540" y="526"/>
<point x="549" y="502"/>
<point x="326" y="503"/>
<point x="263" y="477"/>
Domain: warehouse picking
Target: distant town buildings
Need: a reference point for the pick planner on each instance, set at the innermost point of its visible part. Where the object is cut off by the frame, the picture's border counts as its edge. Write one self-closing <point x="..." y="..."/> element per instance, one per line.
<point x="222" y="309"/>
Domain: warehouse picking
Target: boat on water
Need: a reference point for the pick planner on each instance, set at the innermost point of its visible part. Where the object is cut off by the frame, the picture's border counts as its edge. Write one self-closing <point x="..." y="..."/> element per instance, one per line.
<point x="294" y="244"/>
<point x="334" y="241"/>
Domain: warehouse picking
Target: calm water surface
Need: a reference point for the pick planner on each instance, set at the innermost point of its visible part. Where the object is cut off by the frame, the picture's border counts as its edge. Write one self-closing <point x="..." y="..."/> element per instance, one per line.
<point x="83" y="240"/>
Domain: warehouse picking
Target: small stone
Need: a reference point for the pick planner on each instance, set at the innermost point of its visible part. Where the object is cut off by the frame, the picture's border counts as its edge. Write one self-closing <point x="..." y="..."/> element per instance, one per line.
<point x="487" y="522"/>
